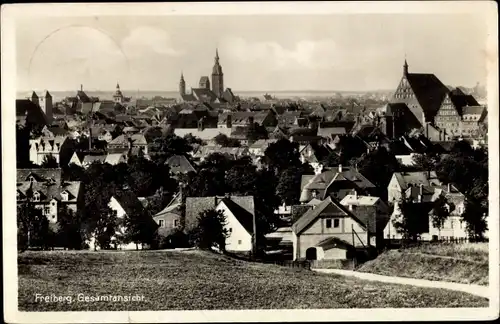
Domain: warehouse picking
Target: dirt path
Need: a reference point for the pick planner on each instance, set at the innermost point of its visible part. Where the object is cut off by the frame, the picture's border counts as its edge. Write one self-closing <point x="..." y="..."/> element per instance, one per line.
<point x="482" y="291"/>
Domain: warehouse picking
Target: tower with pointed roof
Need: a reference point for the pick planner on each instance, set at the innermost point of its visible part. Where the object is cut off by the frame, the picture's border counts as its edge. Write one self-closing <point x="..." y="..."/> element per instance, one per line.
<point x="182" y="86"/>
<point x="34" y="98"/>
<point x="118" y="96"/>
<point x="217" y="77"/>
<point x="405" y="68"/>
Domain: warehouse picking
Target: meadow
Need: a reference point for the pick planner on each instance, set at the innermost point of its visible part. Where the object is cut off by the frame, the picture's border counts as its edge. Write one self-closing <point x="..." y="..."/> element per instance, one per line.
<point x="462" y="263"/>
<point x="195" y="280"/>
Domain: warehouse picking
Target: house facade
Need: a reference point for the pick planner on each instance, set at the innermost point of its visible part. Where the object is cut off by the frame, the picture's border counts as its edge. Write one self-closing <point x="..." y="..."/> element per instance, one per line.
<point x="45" y="190"/>
<point x="59" y="147"/>
<point x="239" y="226"/>
<point x="401" y="181"/>
<point x="329" y="231"/>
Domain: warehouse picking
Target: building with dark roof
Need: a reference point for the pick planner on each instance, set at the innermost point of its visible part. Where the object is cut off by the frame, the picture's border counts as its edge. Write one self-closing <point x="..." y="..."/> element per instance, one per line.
<point x="204" y="93"/>
<point x="332" y="231"/>
<point x="45" y="190"/>
<point x="423" y="93"/>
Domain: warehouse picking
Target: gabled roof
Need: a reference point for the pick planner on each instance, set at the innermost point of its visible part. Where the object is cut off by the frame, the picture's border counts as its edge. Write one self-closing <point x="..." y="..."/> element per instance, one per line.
<point x="204" y="94"/>
<point x="244" y="217"/>
<point x="196" y="205"/>
<point x="330" y="206"/>
<point x="179" y="164"/>
<point x="327" y="132"/>
<point x="41" y="175"/>
<point x="28" y="112"/>
<point x="473" y="110"/>
<point x="129" y="202"/>
<point x="429" y="91"/>
<point x="416" y="178"/>
<point x="114" y="158"/>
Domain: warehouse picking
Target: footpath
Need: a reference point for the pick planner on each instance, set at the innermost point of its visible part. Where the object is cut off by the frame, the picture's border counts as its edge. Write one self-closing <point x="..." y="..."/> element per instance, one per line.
<point x="478" y="290"/>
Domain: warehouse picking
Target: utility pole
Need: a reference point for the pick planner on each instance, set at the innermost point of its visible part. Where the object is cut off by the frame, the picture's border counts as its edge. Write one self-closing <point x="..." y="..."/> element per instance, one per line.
<point x="254" y="237"/>
<point x="354" y="247"/>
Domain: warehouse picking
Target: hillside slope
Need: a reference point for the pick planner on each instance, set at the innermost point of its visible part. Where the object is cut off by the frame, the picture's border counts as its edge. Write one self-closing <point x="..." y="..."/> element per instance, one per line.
<point x="431" y="265"/>
<point x="198" y="280"/>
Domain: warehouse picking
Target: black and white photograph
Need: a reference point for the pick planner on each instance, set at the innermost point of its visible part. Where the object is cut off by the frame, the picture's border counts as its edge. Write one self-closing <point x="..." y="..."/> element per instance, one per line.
<point x="195" y="162"/>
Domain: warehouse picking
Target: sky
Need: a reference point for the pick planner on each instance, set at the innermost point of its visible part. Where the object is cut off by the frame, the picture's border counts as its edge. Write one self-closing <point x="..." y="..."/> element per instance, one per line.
<point x="354" y="52"/>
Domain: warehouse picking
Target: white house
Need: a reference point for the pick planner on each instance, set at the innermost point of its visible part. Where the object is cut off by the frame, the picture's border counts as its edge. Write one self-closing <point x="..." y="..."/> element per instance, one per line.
<point x="453" y="228"/>
<point x="42" y="147"/>
<point x="123" y="203"/>
<point x="239" y="225"/>
<point x="76" y="160"/>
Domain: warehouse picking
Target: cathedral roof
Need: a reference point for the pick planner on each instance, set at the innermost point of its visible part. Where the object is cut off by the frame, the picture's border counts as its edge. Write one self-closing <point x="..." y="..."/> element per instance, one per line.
<point x="429" y="91"/>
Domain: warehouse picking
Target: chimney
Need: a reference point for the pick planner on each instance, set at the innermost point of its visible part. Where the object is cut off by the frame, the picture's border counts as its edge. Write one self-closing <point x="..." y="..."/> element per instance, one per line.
<point x="350" y="207"/>
<point x="81" y="87"/>
<point x="340" y="167"/>
<point x="318" y="169"/>
<point x="421" y="189"/>
<point x="355" y="194"/>
<point x="449" y="187"/>
<point x="229" y="121"/>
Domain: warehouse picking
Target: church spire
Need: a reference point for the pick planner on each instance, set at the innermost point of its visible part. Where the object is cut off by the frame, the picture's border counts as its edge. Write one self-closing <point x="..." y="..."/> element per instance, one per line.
<point x="216" y="55"/>
<point x="405" y="67"/>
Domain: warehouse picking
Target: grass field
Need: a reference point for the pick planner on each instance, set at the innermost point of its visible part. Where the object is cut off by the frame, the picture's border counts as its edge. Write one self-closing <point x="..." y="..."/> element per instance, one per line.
<point x="462" y="263"/>
<point x="198" y="280"/>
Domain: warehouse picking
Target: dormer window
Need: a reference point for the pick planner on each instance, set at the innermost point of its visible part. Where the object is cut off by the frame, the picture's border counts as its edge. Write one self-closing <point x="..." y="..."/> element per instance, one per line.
<point x="36" y="196"/>
<point x="64" y="196"/>
<point x="31" y="179"/>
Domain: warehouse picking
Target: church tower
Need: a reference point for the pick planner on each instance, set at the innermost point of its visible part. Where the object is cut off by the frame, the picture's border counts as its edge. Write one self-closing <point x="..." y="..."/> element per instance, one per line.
<point x="118" y="96"/>
<point x="405" y="68"/>
<point x="182" y="86"/>
<point x="217" y="77"/>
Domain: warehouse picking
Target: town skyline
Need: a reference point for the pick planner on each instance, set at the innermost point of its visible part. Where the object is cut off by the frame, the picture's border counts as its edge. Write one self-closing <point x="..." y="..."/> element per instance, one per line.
<point x="150" y="54"/>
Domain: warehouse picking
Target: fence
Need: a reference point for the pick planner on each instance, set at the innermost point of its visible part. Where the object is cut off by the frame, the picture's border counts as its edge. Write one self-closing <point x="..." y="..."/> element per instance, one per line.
<point x="335" y="264"/>
<point x="292" y="264"/>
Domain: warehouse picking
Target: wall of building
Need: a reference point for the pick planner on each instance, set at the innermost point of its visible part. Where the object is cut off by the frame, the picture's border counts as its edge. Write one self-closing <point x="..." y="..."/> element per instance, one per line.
<point x="238" y="239"/>
<point x="318" y="232"/>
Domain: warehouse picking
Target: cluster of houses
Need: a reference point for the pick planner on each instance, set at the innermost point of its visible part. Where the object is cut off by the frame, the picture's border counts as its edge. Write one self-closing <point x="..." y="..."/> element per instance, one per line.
<point x="340" y="210"/>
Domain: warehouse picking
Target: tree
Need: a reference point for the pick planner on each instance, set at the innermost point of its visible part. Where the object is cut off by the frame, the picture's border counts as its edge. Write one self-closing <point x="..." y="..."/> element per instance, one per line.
<point x="225" y="141"/>
<point x="425" y="162"/>
<point x="73" y="172"/>
<point x="193" y="140"/>
<point x="33" y="227"/>
<point x="169" y="145"/>
<point x="440" y="212"/>
<point x="210" y="231"/>
<point x="475" y="219"/>
<point x="281" y="155"/>
<point x="288" y="188"/>
<point x="409" y="222"/>
<point x="377" y="166"/>
<point x="140" y="227"/>
<point x="69" y="225"/>
<point x="49" y="161"/>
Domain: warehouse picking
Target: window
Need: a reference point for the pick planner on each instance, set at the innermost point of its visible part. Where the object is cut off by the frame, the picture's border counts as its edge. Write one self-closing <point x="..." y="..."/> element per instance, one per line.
<point x="239" y="242"/>
<point x="162" y="223"/>
<point x="176" y="222"/>
<point x="328" y="223"/>
<point x="230" y="230"/>
<point x="46" y="210"/>
<point x="336" y="223"/>
<point x="36" y="196"/>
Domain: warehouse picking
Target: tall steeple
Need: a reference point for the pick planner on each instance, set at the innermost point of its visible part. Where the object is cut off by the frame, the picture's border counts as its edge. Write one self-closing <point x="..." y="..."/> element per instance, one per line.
<point x="217" y="77"/>
<point x="182" y="85"/>
<point x="405" y="67"/>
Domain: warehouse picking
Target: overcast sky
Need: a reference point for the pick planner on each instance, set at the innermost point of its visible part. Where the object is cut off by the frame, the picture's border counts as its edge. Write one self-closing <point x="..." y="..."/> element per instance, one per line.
<point x="269" y="53"/>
